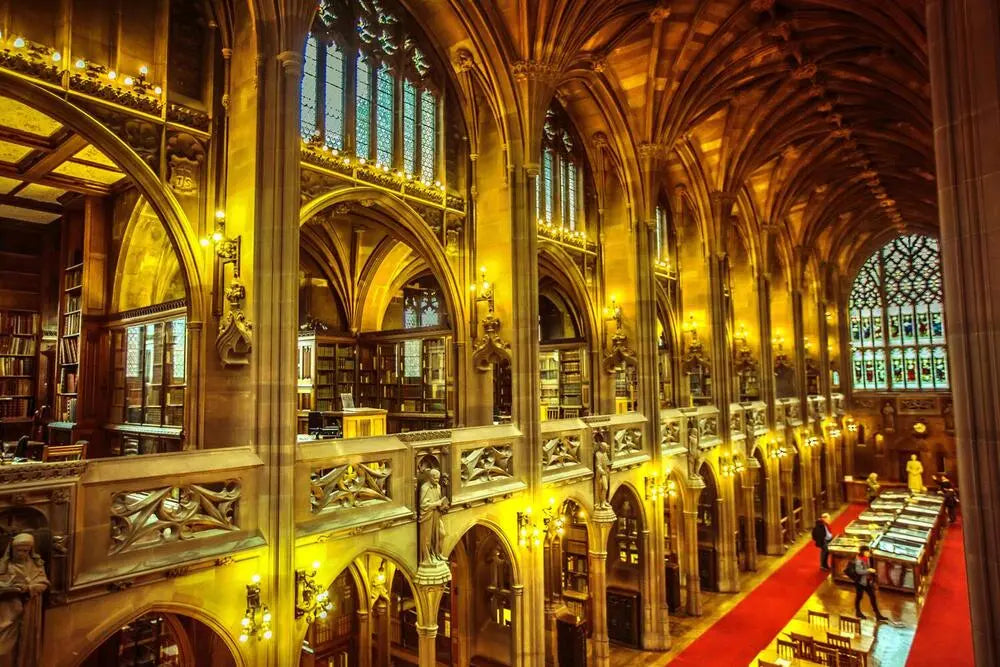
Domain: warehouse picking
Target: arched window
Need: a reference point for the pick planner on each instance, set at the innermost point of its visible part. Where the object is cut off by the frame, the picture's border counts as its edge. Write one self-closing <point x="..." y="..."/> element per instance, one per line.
<point x="897" y="319"/>
<point x="367" y="90"/>
<point x="559" y="196"/>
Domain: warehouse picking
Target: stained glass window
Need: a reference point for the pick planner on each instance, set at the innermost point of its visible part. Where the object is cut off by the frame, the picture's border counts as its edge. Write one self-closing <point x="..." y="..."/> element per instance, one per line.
<point x="559" y="187"/>
<point x="333" y="97"/>
<point x="896" y="309"/>
<point x="547" y="186"/>
<point x="383" y="117"/>
<point x="661" y="233"/>
<point x="307" y="123"/>
<point x="409" y="127"/>
<point x="428" y="134"/>
<point x="362" y="134"/>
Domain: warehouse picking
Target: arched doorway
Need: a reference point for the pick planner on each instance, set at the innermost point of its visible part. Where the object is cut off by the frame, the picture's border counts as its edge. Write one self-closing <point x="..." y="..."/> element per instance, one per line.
<point x="567" y="585"/>
<point x="162" y="639"/>
<point x="336" y="638"/>
<point x="625" y="569"/>
<point x="379" y="317"/>
<point x="708" y="530"/>
<point x="481" y="601"/>
<point x="564" y="352"/>
<point x="103" y="258"/>
<point x="673" y="529"/>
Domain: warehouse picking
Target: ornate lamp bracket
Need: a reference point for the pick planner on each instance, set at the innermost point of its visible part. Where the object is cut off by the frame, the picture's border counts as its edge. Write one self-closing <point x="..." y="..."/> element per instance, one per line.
<point x="490" y="348"/>
<point x="234" y="341"/>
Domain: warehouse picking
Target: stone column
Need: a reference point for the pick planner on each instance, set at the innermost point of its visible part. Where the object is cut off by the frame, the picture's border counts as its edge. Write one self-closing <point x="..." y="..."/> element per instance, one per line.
<point x="597" y="556"/>
<point x="656" y="615"/>
<point x="380" y="621"/>
<point x="809" y="467"/>
<point x="729" y="570"/>
<point x="787" y="490"/>
<point x="748" y="481"/>
<point x="518" y="657"/>
<point x="692" y="576"/>
<point x="963" y="45"/>
<point x="772" y="509"/>
<point x="364" y="639"/>
<point x="427" y="645"/>
<point x="427" y="628"/>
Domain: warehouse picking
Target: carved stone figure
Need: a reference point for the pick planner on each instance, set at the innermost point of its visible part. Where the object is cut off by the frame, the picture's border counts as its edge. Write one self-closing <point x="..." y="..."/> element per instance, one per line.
<point x="915" y="474"/>
<point x="888" y="417"/>
<point x="22" y="582"/>
<point x="433" y="504"/>
<point x="602" y="476"/>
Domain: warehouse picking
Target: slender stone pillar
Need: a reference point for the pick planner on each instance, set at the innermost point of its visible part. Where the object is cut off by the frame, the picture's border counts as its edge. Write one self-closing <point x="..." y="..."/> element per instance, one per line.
<point x="729" y="573"/>
<point x="963" y="45"/>
<point x="772" y="509"/>
<point x="748" y="481"/>
<point x="427" y="645"/>
<point x="597" y="562"/>
<point x="380" y="620"/>
<point x="691" y="571"/>
<point x="364" y="639"/>
<point x="787" y="490"/>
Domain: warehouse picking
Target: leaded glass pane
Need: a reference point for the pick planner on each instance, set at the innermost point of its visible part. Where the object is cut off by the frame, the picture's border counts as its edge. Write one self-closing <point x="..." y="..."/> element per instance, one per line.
<point x="564" y="201"/>
<point x="571" y="194"/>
<point x="178" y="335"/>
<point x="384" y="125"/>
<point x="547" y="184"/>
<point x="362" y="134"/>
<point x="307" y="122"/>
<point x="409" y="128"/>
<point x="903" y="282"/>
<point x="333" y="97"/>
<point x="428" y="134"/>
<point x="412" y="358"/>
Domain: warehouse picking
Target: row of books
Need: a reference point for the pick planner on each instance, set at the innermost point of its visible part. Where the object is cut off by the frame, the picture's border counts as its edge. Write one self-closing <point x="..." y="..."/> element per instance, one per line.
<point x="18" y="323"/>
<point x="16" y="387"/>
<point x="17" y="345"/>
<point x="72" y="303"/>
<point x="74" y="278"/>
<point x="69" y="350"/>
<point x="13" y="407"/>
<point x="68" y="383"/>
<point x="72" y="324"/>
<point x="16" y="365"/>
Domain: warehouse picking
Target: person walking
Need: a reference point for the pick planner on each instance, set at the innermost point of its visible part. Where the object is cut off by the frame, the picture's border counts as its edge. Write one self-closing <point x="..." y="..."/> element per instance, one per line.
<point x="947" y="489"/>
<point x="822" y="536"/>
<point x="862" y="574"/>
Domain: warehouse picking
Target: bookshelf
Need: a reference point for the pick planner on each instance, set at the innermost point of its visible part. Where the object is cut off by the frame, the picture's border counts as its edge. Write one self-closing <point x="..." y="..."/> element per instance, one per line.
<point x="19" y="343"/>
<point x="564" y="382"/>
<point x="327" y="369"/>
<point x="68" y="364"/>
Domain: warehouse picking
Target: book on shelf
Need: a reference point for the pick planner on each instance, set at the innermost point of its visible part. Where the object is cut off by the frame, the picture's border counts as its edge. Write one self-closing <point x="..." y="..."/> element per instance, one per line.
<point x="13" y="408"/>
<point x="72" y="303"/>
<point x="17" y="365"/>
<point x="69" y="351"/>
<point x="18" y="323"/>
<point x="16" y="387"/>
<point x="17" y="345"/>
<point x="74" y="277"/>
<point x="71" y="324"/>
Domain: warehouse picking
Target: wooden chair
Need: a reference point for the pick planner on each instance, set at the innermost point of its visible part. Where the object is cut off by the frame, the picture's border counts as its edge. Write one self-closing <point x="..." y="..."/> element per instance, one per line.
<point x="838" y="641"/>
<point x="803" y="645"/>
<point x="571" y="413"/>
<point x="849" y="625"/>
<point x="851" y="659"/>
<point x="826" y="655"/>
<point x="76" y="452"/>
<point x="786" y="649"/>
<point x="820" y="619"/>
<point x="553" y="412"/>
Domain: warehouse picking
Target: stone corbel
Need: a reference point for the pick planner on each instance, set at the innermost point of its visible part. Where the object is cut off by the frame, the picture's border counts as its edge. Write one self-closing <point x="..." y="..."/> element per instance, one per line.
<point x="619" y="353"/>
<point x="490" y="348"/>
<point x="235" y="340"/>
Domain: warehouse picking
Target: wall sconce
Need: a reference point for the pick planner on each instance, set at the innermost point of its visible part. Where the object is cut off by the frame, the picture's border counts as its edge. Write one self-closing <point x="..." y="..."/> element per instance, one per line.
<point x="660" y="487"/>
<point x="256" y="620"/>
<point x="310" y="600"/>
<point x="234" y="341"/>
<point x="775" y="451"/>
<point x="489" y="349"/>
<point x="552" y="522"/>
<point x="778" y="342"/>
<point x="731" y="468"/>
<point x="811" y="442"/>
<point x="852" y="426"/>
<point x="483" y="290"/>
<point x="528" y="533"/>
<point x="692" y="328"/>
<point x="614" y="313"/>
<point x="835" y="433"/>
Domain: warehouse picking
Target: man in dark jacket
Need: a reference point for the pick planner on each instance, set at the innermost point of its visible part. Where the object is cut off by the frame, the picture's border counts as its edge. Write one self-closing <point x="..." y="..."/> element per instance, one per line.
<point x="863" y="575"/>
<point x="822" y="536"/>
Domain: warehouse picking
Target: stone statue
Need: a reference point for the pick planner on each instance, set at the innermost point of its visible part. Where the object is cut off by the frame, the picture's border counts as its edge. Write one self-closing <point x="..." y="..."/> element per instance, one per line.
<point x="433" y="504"/>
<point x="915" y="474"/>
<point x="22" y="582"/>
<point x="888" y="417"/>
<point x="602" y="476"/>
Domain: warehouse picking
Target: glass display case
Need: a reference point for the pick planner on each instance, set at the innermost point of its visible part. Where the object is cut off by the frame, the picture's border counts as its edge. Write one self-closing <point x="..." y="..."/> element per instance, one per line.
<point x="899" y="565"/>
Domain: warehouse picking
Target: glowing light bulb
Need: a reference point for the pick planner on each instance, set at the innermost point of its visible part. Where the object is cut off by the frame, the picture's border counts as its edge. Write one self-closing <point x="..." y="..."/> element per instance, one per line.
<point x="204" y="241"/>
<point x="362" y="160"/>
<point x="220" y="214"/>
<point x="267" y="634"/>
<point x="112" y="75"/>
<point x="266" y="617"/>
<point x="315" y="564"/>
<point x="19" y="42"/>
<point x="245" y="622"/>
<point x="56" y="56"/>
<point x="128" y="81"/>
<point x="144" y="70"/>
<point x="80" y="63"/>
<point x="322" y="614"/>
<point x="217" y="236"/>
<point x="255" y="578"/>
<point x="243" y="638"/>
<point x="158" y="90"/>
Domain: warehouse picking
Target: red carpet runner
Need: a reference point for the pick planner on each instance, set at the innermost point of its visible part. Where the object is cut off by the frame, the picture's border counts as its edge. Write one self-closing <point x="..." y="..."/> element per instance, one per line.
<point x="944" y="632"/>
<point x="749" y="627"/>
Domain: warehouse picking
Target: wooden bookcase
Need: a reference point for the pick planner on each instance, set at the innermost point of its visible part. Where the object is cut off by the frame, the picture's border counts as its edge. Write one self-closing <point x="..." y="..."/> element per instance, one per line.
<point x="19" y="344"/>
<point x="564" y="381"/>
<point x="68" y="359"/>
<point x="327" y="369"/>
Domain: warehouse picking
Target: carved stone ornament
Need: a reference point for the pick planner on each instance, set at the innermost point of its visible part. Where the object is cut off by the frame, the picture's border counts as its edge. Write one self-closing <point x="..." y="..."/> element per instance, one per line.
<point x="532" y="70"/>
<point x="235" y="340"/>
<point x="22" y="583"/>
<point x="628" y="441"/>
<point x="560" y="451"/>
<point x="490" y="348"/>
<point x="602" y="480"/>
<point x="485" y="464"/>
<point x="431" y="506"/>
<point x="185" y="155"/>
<point x="619" y="353"/>
<point x="141" y="519"/>
<point x="350" y="485"/>
<point x="670" y="435"/>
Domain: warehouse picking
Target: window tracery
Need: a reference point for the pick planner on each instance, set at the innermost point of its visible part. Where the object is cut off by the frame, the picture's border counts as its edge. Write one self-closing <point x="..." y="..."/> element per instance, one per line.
<point x="367" y="89"/>
<point x="897" y="318"/>
<point x="559" y="200"/>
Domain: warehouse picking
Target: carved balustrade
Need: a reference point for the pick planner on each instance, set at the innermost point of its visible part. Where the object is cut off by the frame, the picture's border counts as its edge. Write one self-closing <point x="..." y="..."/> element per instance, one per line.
<point x="148" y="516"/>
<point x="672" y="439"/>
<point x="567" y="450"/>
<point x="625" y="436"/>
<point x="755" y="419"/>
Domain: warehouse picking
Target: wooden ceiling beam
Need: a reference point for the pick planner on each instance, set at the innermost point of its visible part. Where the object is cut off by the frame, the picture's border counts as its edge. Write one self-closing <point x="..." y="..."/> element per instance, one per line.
<point x="32" y="204"/>
<point x="57" y="181"/>
<point x="21" y="138"/>
<point x="64" y="151"/>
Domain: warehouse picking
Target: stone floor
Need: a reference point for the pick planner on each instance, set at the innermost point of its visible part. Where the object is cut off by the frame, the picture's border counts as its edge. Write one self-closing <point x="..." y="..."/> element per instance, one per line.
<point x="891" y="648"/>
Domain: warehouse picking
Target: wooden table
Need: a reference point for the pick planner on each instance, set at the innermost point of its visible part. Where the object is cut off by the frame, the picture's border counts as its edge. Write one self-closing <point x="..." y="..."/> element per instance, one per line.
<point x="771" y="655"/>
<point x="861" y="644"/>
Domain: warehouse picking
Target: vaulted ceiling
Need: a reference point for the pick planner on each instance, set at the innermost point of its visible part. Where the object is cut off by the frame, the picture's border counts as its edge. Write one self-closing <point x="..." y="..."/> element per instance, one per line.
<point x="818" y="109"/>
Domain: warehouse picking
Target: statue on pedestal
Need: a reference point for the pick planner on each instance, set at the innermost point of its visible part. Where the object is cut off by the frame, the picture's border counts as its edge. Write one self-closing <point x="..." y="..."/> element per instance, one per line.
<point x="915" y="474"/>
<point x="602" y="477"/>
<point x="888" y="417"/>
<point x="433" y="564"/>
<point x="22" y="582"/>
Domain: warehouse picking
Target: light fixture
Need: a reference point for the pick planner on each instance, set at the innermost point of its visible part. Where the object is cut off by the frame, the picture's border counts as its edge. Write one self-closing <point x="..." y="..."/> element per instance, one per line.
<point x="483" y="289"/>
<point x="112" y="75"/>
<point x="835" y="433"/>
<point x="310" y="600"/>
<point x="143" y="70"/>
<point x="614" y="313"/>
<point x="811" y="442"/>
<point x="128" y="81"/>
<point x="553" y="523"/>
<point x="778" y="452"/>
<point x="80" y="63"/>
<point x="528" y="533"/>
<point x="256" y="621"/>
<point x="19" y="42"/>
<point x="655" y="487"/>
<point x="731" y="467"/>
<point x="56" y="56"/>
